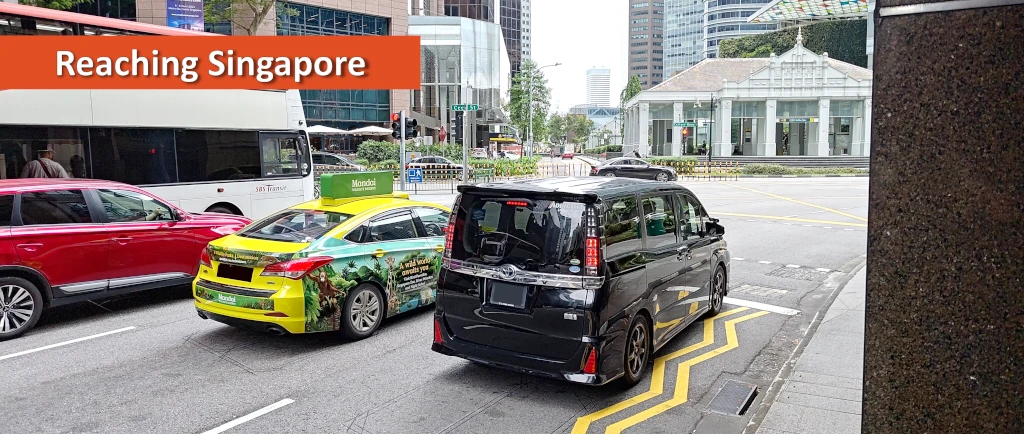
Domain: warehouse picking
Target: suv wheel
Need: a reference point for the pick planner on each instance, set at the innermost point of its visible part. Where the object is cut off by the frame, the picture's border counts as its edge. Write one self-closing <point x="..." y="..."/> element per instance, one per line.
<point x="21" y="304"/>
<point x="363" y="312"/>
<point x="638" y="351"/>
<point x="718" y="285"/>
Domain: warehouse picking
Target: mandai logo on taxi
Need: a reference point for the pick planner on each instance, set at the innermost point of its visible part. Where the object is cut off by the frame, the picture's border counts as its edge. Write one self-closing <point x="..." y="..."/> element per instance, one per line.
<point x="364" y="184"/>
<point x="226" y="299"/>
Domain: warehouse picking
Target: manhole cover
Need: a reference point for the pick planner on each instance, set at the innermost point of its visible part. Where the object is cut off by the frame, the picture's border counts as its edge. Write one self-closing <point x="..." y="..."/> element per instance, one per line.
<point x="761" y="291"/>
<point x="799" y="274"/>
<point x="733" y="398"/>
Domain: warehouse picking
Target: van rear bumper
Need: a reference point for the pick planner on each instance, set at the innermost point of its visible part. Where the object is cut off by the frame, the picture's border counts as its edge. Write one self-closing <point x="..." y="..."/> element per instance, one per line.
<point x="567" y="370"/>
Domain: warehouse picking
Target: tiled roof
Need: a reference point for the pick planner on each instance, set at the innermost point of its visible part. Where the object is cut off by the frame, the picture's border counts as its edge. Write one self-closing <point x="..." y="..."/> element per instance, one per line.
<point x="850" y="69"/>
<point x="707" y="75"/>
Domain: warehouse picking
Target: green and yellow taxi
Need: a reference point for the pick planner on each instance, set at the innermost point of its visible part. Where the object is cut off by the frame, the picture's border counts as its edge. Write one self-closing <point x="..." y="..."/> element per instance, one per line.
<point x="344" y="262"/>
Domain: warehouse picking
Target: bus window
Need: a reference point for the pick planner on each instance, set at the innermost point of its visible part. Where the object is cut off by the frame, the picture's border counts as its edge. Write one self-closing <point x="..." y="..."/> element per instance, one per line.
<point x="19" y="144"/>
<point x="281" y="154"/>
<point x="139" y="156"/>
<point x="217" y="155"/>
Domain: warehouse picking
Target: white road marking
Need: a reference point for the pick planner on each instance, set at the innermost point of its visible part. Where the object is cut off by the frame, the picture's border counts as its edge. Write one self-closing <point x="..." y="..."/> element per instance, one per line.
<point x="827" y="227"/>
<point x="762" y="306"/>
<point x="806" y="226"/>
<point x="792" y="266"/>
<point x="61" y="344"/>
<point x="751" y="220"/>
<point x="738" y="259"/>
<point x="826" y="270"/>
<point x="791" y="216"/>
<point x="250" y="416"/>
<point x="847" y="229"/>
<point x="764" y="262"/>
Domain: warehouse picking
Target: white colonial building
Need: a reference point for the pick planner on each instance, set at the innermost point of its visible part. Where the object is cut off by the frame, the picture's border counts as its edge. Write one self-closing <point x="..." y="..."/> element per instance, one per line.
<point x="797" y="103"/>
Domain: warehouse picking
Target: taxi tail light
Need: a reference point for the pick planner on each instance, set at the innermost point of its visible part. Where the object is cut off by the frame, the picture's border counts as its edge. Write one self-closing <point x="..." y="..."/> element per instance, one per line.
<point x="204" y="258"/>
<point x="296" y="269"/>
<point x="590" y="367"/>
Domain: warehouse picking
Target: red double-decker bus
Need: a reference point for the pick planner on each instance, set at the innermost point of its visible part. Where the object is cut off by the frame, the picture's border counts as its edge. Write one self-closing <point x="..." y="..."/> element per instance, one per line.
<point x="18" y="19"/>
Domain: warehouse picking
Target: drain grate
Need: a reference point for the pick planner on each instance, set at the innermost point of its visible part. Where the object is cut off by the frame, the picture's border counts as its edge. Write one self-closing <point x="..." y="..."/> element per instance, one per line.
<point x="808" y="274"/>
<point x="733" y="398"/>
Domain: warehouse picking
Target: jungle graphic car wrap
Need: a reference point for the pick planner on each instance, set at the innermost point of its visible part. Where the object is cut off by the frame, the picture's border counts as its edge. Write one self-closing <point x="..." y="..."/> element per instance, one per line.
<point x="246" y="258"/>
<point x="409" y="280"/>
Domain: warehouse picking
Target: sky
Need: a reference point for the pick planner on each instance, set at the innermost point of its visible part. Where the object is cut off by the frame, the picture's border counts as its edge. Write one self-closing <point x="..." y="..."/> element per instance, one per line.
<point x="579" y="34"/>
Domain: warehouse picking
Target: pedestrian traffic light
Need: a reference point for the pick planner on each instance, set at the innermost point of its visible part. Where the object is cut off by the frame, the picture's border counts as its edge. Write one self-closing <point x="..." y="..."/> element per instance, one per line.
<point x="396" y="127"/>
<point x="410" y="128"/>
<point x="457" y="133"/>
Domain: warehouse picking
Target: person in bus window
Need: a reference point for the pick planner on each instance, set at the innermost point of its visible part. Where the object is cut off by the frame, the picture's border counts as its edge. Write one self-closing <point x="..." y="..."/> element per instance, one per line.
<point x="44" y="167"/>
<point x="77" y="166"/>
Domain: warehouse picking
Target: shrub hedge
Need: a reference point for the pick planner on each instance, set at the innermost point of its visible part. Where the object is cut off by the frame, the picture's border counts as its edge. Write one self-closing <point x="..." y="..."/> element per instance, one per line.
<point x="776" y="169"/>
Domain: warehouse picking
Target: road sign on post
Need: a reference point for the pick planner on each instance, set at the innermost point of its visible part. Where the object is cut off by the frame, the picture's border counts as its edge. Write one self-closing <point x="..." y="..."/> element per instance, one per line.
<point x="415" y="175"/>
<point x="465" y="107"/>
<point x="684" y="124"/>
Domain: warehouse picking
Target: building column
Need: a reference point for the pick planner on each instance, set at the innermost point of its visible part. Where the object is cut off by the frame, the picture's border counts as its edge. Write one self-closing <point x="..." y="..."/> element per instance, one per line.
<point x="677" y="136"/>
<point x="769" y="145"/>
<point x="857" y="136"/>
<point x="821" y="147"/>
<point x="644" y="117"/>
<point x="723" y="139"/>
<point x="866" y="147"/>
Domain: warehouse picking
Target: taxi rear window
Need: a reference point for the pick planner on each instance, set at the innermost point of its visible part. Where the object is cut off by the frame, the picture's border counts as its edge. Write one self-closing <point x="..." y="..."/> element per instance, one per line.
<point x="295" y="225"/>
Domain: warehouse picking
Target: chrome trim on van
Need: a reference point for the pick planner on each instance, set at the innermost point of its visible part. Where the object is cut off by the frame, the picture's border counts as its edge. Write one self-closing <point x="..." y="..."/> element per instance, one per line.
<point x="511" y="273"/>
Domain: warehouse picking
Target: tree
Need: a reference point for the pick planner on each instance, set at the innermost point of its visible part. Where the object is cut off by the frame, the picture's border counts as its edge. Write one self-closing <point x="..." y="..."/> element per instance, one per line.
<point x="519" y="100"/>
<point x="558" y="128"/>
<point x="246" y="14"/>
<point x="580" y="127"/>
<point x="60" y="5"/>
<point x="632" y="88"/>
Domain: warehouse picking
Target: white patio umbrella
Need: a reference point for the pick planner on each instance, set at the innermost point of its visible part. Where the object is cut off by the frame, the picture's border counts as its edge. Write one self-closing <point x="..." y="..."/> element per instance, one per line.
<point x="370" y="131"/>
<point x="320" y="129"/>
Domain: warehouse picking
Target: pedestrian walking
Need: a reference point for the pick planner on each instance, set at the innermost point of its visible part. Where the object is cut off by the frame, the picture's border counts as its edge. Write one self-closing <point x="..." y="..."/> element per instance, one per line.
<point x="44" y="167"/>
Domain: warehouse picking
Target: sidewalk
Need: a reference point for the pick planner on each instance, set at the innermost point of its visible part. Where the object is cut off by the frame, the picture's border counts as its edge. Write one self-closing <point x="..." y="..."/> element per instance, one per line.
<point x="823" y="392"/>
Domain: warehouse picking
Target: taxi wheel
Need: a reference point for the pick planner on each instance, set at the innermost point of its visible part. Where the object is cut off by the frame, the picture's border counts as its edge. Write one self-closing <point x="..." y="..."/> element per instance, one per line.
<point x="21" y="304"/>
<point x="363" y="312"/>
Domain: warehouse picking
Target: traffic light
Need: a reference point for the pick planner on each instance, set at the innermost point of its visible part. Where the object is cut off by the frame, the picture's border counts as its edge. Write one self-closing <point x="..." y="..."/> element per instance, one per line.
<point x="686" y="131"/>
<point x="396" y="127"/>
<point x="410" y="128"/>
<point x="457" y="133"/>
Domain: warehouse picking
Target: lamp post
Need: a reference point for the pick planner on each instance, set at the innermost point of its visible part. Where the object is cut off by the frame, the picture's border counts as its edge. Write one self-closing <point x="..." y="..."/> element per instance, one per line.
<point x="530" y="126"/>
<point x="711" y="128"/>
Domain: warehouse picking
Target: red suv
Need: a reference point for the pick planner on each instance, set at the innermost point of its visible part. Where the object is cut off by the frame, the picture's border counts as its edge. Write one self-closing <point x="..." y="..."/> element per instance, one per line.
<point x="70" y="240"/>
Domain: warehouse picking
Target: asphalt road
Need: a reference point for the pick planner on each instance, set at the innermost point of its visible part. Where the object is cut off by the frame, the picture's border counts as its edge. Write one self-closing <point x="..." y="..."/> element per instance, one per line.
<point x="162" y="369"/>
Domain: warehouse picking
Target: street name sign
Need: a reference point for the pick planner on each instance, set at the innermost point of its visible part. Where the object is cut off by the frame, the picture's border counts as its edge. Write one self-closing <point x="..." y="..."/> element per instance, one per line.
<point x="465" y="107"/>
<point x="684" y="124"/>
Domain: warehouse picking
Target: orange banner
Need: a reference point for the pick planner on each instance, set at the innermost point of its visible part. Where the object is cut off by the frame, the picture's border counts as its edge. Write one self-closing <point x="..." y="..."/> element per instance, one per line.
<point x="231" y="62"/>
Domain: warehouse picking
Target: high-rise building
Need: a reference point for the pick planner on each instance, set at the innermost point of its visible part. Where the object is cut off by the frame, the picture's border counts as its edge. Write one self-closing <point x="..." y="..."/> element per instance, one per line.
<point x="506" y="13"/>
<point x="646" y="30"/>
<point x="599" y="87"/>
<point x="527" y="26"/>
<point x="727" y="19"/>
<point x="684" y="34"/>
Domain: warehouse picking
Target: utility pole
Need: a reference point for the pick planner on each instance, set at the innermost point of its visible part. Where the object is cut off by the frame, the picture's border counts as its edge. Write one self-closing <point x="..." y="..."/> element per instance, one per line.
<point x="401" y="155"/>
<point x="529" y="149"/>
<point x="465" y="138"/>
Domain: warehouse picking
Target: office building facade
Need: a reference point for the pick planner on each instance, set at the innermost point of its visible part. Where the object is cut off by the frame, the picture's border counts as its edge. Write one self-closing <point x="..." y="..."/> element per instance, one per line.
<point x="599" y="87"/>
<point x="506" y="13"/>
<point x="527" y="28"/>
<point x="727" y="19"/>
<point x="684" y="34"/>
<point x="646" y="50"/>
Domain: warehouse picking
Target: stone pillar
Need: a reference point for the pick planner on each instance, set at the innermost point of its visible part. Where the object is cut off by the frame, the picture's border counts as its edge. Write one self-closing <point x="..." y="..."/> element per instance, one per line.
<point x="644" y="117"/>
<point x="866" y="147"/>
<point x="821" y="147"/>
<point x="857" y="136"/>
<point x="944" y="308"/>
<point x="723" y="135"/>
<point x="677" y="135"/>
<point x="768" y="148"/>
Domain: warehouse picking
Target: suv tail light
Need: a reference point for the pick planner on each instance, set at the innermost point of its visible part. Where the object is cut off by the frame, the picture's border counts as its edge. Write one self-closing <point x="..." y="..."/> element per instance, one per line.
<point x="296" y="269"/>
<point x="592" y="252"/>
<point x="591" y="366"/>
<point x="204" y="258"/>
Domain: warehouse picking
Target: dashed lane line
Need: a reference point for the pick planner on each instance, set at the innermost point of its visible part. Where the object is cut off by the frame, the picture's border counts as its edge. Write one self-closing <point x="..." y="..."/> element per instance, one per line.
<point x="250" y="416"/>
<point x="682" y="388"/>
<point x="825" y="208"/>
<point x="657" y="377"/>
<point x="793" y="219"/>
<point x="61" y="344"/>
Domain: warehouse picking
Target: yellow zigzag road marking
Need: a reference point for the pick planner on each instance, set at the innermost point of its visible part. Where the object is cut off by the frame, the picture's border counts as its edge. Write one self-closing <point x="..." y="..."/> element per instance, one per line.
<point x="799" y="202"/>
<point x="657" y="378"/>
<point x="683" y="378"/>
<point x="794" y="219"/>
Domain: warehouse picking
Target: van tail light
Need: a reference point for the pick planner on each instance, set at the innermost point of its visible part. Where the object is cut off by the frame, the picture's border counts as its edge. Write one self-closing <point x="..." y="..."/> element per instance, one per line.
<point x="296" y="269"/>
<point x="590" y="367"/>
<point x="204" y="258"/>
<point x="449" y="234"/>
<point x="437" y="331"/>
<point x="592" y="246"/>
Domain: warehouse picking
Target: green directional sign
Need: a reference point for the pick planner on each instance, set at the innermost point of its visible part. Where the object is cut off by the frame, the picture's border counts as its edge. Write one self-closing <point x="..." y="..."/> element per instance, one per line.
<point x="465" y="107"/>
<point x="355" y="184"/>
<point x="684" y="124"/>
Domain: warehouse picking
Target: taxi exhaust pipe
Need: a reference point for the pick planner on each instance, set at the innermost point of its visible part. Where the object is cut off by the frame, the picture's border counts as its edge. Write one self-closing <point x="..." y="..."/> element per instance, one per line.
<point x="276" y="331"/>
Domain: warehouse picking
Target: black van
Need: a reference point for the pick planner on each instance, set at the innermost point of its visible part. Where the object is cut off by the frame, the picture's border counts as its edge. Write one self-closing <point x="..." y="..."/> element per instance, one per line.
<point x="558" y="277"/>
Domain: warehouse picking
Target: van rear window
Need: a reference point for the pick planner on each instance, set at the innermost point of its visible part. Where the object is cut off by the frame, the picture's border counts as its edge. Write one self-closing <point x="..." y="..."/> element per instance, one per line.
<point x="535" y="235"/>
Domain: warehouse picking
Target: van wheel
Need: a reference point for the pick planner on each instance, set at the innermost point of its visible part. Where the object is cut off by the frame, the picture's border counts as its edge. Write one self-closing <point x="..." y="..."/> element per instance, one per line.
<point x="21" y="304"/>
<point x="638" y="351"/>
<point x="363" y="312"/>
<point x="718" y="285"/>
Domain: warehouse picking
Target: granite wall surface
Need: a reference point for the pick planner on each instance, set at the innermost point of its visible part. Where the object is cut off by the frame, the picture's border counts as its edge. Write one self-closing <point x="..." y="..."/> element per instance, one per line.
<point x="944" y="338"/>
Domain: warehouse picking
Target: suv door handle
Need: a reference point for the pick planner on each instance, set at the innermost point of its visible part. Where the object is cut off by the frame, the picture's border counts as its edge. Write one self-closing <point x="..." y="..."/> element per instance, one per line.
<point x="30" y="246"/>
<point x="122" y="240"/>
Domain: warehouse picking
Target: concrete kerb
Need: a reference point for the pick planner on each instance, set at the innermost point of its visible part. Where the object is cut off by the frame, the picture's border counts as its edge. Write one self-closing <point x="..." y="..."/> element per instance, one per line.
<point x="851" y="269"/>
